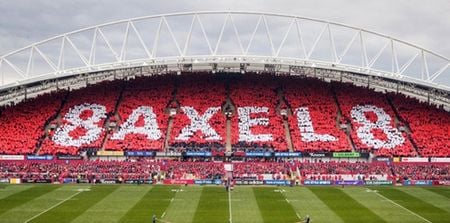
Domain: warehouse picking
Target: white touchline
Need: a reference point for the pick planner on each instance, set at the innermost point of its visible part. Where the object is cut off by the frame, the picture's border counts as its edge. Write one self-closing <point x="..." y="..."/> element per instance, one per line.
<point x="50" y="208"/>
<point x="403" y="207"/>
<point x="229" y="205"/>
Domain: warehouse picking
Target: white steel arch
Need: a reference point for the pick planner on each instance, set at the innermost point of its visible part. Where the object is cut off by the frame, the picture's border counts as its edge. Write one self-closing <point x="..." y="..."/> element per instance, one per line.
<point x="225" y="37"/>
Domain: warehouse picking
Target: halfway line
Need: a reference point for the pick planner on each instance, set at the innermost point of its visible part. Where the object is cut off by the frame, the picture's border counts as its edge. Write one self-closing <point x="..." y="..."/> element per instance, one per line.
<point x="403" y="207"/>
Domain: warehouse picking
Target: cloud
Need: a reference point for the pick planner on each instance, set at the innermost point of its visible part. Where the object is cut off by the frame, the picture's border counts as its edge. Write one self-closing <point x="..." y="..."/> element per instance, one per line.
<point x="425" y="23"/>
<point x="404" y="19"/>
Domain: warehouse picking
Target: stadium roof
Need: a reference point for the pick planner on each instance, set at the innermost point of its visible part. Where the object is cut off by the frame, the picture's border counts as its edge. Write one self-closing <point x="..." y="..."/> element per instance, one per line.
<point x="224" y="37"/>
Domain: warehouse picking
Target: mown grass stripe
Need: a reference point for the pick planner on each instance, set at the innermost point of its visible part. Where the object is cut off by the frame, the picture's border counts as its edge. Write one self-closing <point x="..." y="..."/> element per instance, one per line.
<point x="245" y="209"/>
<point x="72" y="208"/>
<point x="38" y="205"/>
<point x="273" y="205"/>
<point x="155" y="201"/>
<point x="115" y="205"/>
<point x="428" y="196"/>
<point x="398" y="205"/>
<point x="12" y="189"/>
<point x="184" y="204"/>
<point x="306" y="202"/>
<point x="387" y="210"/>
<point x="213" y="206"/>
<point x="344" y="206"/>
<point x="25" y="196"/>
<point x="439" y="190"/>
<point x="416" y="205"/>
<point x="55" y="205"/>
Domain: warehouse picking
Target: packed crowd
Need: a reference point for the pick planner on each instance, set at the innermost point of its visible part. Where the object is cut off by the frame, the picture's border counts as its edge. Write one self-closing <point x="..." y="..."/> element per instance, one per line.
<point x="425" y="121"/>
<point x="373" y="122"/>
<point x="201" y="119"/>
<point x="57" y="171"/>
<point x="334" y="167"/>
<point x="157" y="170"/>
<point x="141" y="120"/>
<point x="424" y="171"/>
<point x="334" y="170"/>
<point x="134" y="115"/>
<point x="313" y="124"/>
<point x="116" y="170"/>
<point x="22" y="125"/>
<point x="261" y="170"/>
<point x="256" y="124"/>
<point x="193" y="170"/>
<point x="83" y="117"/>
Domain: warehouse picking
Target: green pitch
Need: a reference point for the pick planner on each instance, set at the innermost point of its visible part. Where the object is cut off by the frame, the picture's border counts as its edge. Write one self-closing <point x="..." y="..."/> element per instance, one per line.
<point x="133" y="203"/>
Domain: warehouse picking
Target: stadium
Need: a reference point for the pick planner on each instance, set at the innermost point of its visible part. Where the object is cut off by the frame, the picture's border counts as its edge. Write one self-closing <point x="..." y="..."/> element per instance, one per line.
<point x="224" y="116"/>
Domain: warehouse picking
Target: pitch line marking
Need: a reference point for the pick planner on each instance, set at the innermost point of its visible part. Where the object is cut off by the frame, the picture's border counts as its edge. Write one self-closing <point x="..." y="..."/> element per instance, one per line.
<point x="298" y="216"/>
<point x="287" y="200"/>
<point x="393" y="202"/>
<point x="57" y="204"/>
<point x="229" y="205"/>
<point x="162" y="216"/>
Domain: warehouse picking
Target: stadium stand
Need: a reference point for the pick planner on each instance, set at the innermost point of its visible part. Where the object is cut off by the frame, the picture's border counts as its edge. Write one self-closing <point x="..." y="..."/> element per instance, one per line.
<point x="193" y="170"/>
<point x="261" y="171"/>
<point x="200" y="123"/>
<point x="22" y="125"/>
<point x="57" y="170"/>
<point x="84" y="114"/>
<point x="141" y="120"/>
<point x="134" y="115"/>
<point x="425" y="121"/>
<point x="373" y="122"/>
<point x="333" y="169"/>
<point x="256" y="126"/>
<point x="313" y="123"/>
<point x="116" y="170"/>
<point x="422" y="171"/>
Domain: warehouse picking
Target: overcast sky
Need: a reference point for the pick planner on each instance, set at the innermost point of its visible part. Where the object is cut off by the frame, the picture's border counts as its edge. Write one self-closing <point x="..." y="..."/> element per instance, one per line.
<point x="425" y="23"/>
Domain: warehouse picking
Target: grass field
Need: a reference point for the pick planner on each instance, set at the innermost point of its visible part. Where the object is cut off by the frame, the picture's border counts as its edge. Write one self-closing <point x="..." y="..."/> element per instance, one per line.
<point x="132" y="203"/>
